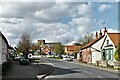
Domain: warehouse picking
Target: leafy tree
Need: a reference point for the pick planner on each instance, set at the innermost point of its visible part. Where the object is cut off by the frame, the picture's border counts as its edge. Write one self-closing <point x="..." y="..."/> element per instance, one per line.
<point x="24" y="44"/>
<point x="86" y="39"/>
<point x="34" y="47"/>
<point x="59" y="49"/>
<point x="117" y="53"/>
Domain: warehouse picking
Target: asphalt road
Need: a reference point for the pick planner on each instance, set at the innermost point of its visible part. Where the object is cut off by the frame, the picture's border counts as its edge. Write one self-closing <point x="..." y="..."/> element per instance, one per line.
<point x="65" y="70"/>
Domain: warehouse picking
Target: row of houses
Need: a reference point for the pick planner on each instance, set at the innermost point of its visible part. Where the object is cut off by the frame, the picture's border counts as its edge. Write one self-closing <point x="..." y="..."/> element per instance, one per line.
<point x="5" y="49"/>
<point x="50" y="47"/>
<point x="101" y="50"/>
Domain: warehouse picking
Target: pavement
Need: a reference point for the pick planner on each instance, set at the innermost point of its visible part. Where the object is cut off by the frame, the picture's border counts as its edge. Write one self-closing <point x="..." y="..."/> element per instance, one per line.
<point x="98" y="67"/>
<point x="33" y="71"/>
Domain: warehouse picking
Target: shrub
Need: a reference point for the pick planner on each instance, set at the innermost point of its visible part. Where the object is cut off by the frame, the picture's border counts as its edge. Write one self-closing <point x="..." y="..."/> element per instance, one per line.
<point x="5" y="67"/>
<point x="117" y="54"/>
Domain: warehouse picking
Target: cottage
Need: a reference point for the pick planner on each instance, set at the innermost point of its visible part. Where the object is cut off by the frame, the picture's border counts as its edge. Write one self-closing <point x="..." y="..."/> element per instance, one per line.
<point x="108" y="48"/>
<point x="101" y="50"/>
<point x="3" y="49"/>
<point x="91" y="53"/>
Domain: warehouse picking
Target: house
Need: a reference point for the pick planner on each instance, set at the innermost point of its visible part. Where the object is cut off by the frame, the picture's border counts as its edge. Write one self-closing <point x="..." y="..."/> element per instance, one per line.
<point x="71" y="50"/>
<point x="47" y="48"/>
<point x="109" y="45"/>
<point x="3" y="49"/>
<point x="101" y="50"/>
<point x="91" y="52"/>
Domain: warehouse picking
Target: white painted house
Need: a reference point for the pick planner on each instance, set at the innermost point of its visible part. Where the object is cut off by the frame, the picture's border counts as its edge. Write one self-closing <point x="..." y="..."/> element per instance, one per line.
<point x="3" y="49"/>
<point x="101" y="49"/>
<point x="109" y="46"/>
<point x="96" y="50"/>
<point x="91" y="52"/>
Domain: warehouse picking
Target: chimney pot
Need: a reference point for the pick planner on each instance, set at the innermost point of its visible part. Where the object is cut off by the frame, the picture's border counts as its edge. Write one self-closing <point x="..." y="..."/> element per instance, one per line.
<point x="105" y="31"/>
<point x="96" y="34"/>
<point x="100" y="34"/>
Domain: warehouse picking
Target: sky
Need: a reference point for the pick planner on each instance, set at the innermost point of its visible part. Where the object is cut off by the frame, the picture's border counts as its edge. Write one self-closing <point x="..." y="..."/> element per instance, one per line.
<point x="63" y="22"/>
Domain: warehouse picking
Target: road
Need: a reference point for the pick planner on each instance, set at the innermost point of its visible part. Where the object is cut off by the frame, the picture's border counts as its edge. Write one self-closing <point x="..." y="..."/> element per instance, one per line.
<point x="65" y="70"/>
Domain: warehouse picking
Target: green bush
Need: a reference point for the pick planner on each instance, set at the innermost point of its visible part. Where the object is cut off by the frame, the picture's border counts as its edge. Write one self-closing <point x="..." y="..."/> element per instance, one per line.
<point x="36" y="58"/>
<point x="5" y="67"/>
<point x="117" y="54"/>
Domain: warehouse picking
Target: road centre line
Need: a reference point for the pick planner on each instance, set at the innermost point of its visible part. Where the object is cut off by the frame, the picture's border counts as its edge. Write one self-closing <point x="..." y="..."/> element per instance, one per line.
<point x="101" y="77"/>
<point x="87" y="72"/>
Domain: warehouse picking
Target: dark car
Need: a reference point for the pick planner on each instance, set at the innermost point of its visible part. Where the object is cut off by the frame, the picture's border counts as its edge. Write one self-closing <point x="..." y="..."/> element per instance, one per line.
<point x="24" y="60"/>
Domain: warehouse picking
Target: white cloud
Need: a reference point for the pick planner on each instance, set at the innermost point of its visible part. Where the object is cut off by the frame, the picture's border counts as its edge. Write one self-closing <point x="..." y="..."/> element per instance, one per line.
<point x="84" y="24"/>
<point x="103" y="7"/>
<point x="64" y="22"/>
<point x="11" y="20"/>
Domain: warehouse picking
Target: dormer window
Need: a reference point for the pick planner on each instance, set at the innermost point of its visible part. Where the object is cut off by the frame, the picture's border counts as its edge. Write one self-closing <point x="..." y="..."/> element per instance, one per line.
<point x="107" y="42"/>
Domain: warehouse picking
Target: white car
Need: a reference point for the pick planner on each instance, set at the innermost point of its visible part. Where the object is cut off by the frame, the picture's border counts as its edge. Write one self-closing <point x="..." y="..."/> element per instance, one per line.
<point x="73" y="57"/>
<point x="67" y="58"/>
<point x="64" y="58"/>
<point x="17" y="58"/>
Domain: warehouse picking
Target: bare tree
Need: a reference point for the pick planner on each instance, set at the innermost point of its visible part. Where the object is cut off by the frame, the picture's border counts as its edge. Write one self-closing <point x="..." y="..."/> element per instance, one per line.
<point x="24" y="44"/>
<point x="88" y="37"/>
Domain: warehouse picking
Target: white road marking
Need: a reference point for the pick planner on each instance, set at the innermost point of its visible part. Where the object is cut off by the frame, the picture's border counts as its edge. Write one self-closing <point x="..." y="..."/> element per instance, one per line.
<point x="87" y="72"/>
<point x="50" y="77"/>
<point x="99" y="76"/>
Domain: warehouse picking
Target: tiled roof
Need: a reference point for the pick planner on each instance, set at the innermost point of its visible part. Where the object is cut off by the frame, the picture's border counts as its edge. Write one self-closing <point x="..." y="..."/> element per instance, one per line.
<point x="115" y="37"/>
<point x="72" y="48"/>
<point x="92" y="42"/>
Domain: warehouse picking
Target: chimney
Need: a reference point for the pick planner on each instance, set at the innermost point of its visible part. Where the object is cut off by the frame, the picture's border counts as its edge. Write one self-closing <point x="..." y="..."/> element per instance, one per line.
<point x="105" y="31"/>
<point x="96" y="35"/>
<point x="100" y="34"/>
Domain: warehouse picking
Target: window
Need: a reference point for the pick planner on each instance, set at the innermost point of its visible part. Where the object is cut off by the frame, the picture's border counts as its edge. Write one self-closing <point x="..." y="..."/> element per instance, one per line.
<point x="110" y="54"/>
<point x="107" y="42"/>
<point x="103" y="55"/>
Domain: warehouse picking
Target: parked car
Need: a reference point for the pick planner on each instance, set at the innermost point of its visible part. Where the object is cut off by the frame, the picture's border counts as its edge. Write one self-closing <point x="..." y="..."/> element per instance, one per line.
<point x="67" y="58"/>
<point x="24" y="60"/>
<point x="17" y="58"/>
<point x="72" y="56"/>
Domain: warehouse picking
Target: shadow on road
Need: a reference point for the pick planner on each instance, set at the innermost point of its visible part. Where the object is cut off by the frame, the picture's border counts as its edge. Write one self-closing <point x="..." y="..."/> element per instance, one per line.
<point x="62" y="71"/>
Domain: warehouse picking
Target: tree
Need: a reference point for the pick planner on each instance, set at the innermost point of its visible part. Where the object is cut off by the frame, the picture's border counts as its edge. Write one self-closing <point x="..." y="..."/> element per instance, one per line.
<point x="117" y="54"/>
<point x="59" y="49"/>
<point x="24" y="44"/>
<point x="86" y="39"/>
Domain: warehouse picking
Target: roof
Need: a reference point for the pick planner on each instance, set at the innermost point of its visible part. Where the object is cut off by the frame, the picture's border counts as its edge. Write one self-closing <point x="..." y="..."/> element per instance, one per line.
<point x="115" y="37"/>
<point x="72" y="48"/>
<point x="92" y="42"/>
<point x="11" y="48"/>
<point x="4" y="38"/>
